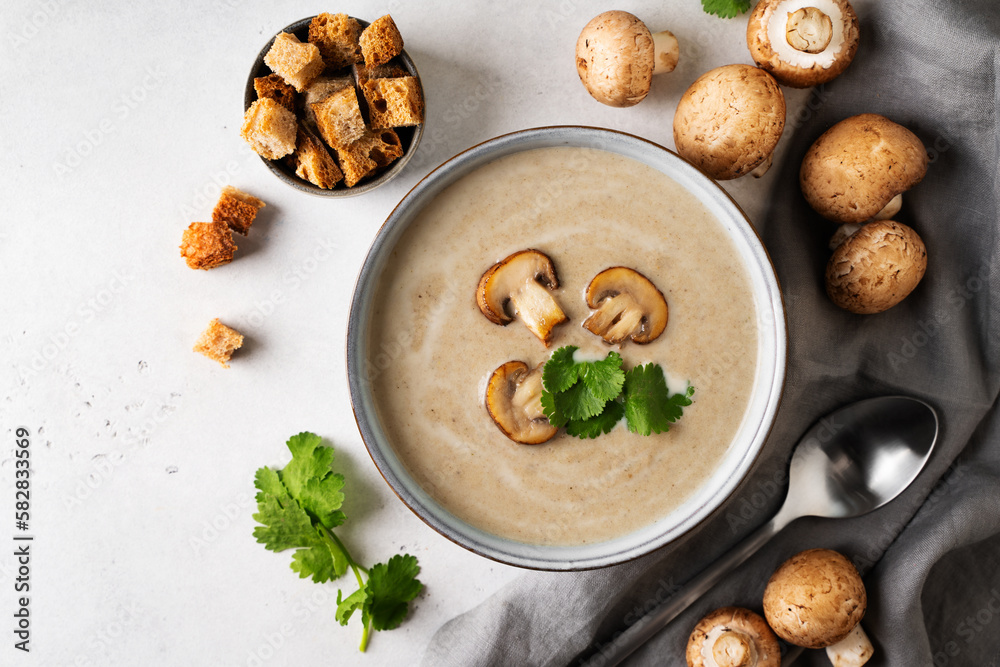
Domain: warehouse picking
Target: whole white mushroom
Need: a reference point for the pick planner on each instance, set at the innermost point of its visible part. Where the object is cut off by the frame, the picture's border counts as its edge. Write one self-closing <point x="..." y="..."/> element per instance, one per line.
<point x="816" y="599"/>
<point x="617" y="56"/>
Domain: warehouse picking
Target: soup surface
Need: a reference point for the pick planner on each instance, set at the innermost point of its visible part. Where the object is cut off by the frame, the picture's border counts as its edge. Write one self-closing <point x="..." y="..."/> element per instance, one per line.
<point x="431" y="351"/>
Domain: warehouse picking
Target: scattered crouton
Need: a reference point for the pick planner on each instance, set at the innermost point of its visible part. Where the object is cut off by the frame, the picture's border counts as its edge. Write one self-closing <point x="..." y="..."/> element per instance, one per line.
<point x="237" y="209"/>
<point x="381" y="41"/>
<point x="218" y="342"/>
<point x="395" y="102"/>
<point x="339" y="118"/>
<point x="206" y="245"/>
<point x="337" y="36"/>
<point x="269" y="128"/>
<point x="298" y="63"/>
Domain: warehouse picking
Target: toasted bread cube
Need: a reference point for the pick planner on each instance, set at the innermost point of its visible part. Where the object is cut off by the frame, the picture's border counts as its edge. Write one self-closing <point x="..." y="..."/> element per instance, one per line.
<point x="381" y="41"/>
<point x="274" y="86"/>
<point x="218" y="342"/>
<point x="269" y="128"/>
<point x="336" y="35"/>
<point x="355" y="164"/>
<point x="206" y="245"/>
<point x="313" y="163"/>
<point x="388" y="71"/>
<point x="375" y="150"/>
<point x="394" y="102"/>
<point x="319" y="90"/>
<point x="339" y="118"/>
<point x="298" y="63"/>
<point x="237" y="209"/>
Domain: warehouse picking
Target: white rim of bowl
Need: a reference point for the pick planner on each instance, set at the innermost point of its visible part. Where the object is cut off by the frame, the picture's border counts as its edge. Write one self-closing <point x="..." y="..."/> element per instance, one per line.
<point x="757" y="420"/>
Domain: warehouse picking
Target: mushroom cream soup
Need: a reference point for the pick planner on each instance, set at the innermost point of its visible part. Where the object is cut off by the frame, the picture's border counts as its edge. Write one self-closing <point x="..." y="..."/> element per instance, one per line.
<point x="431" y="350"/>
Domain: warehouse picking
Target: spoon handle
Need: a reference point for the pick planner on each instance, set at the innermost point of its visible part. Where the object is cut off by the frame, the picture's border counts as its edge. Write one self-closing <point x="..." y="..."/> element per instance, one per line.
<point x="646" y="627"/>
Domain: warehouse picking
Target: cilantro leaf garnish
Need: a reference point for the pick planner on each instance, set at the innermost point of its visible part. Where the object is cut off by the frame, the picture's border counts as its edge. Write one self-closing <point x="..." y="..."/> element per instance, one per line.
<point x="579" y="402"/>
<point x="579" y="390"/>
<point x="727" y="9"/>
<point x="598" y="425"/>
<point x="604" y="378"/>
<point x="649" y="406"/>
<point x="560" y="371"/>
<point x="298" y="506"/>
<point x="590" y="397"/>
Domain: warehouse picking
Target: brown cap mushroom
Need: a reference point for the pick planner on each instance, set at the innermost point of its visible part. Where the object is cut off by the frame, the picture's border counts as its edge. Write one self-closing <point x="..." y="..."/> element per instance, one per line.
<point x="876" y="267"/>
<point x="803" y="42"/>
<point x="859" y="166"/>
<point x="522" y="280"/>
<point x="729" y="121"/>
<point x="733" y="637"/>
<point x="628" y="306"/>
<point x="617" y="56"/>
<point x="514" y="401"/>
<point x="816" y="599"/>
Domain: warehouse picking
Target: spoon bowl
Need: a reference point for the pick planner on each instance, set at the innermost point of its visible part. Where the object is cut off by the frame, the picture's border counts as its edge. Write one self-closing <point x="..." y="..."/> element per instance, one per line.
<point x="850" y="462"/>
<point x="859" y="457"/>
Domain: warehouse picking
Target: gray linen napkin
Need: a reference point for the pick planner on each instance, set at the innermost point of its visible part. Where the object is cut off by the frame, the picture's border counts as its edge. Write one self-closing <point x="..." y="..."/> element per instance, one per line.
<point x="932" y="557"/>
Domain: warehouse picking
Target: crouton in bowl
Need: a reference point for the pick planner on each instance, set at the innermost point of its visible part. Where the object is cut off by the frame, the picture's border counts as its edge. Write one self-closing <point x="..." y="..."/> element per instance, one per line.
<point x="334" y="105"/>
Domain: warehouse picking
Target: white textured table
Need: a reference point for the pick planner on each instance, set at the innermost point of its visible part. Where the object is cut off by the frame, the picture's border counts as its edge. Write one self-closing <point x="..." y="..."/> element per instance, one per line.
<point x="120" y="122"/>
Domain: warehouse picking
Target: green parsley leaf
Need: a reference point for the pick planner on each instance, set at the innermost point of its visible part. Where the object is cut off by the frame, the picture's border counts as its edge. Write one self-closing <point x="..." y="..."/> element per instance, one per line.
<point x="727" y="9"/>
<point x="560" y="371"/>
<point x="599" y="425"/>
<point x="649" y="406"/>
<point x="391" y="586"/>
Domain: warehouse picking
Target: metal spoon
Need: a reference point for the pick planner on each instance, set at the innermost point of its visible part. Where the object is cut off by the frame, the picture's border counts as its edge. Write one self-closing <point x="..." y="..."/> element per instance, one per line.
<point x="849" y="463"/>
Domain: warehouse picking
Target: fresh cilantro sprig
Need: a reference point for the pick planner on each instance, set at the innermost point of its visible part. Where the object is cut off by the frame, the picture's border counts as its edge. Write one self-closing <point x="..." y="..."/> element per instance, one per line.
<point x="298" y="507"/>
<point x="589" y="398"/>
<point x="727" y="9"/>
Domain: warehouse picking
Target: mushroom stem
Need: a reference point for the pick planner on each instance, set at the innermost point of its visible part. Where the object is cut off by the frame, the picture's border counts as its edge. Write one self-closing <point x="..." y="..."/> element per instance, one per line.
<point x="844" y="232"/>
<point x="890" y="209"/>
<point x="666" y="52"/>
<point x="762" y="168"/>
<point x="616" y="318"/>
<point x="733" y="649"/>
<point x="809" y="30"/>
<point x="853" y="650"/>
<point x="528" y="396"/>
<point x="537" y="309"/>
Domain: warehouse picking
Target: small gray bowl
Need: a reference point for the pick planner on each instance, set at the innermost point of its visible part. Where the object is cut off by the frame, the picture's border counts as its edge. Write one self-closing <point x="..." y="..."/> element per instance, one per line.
<point x="749" y="440"/>
<point x="409" y="137"/>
